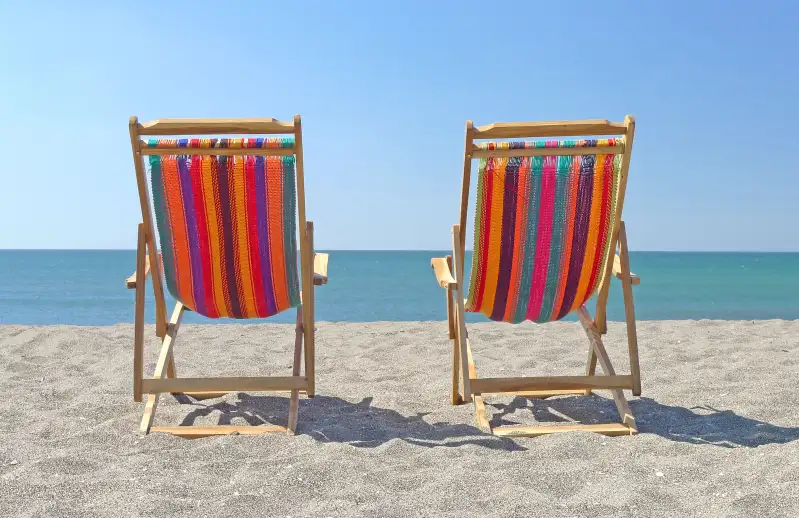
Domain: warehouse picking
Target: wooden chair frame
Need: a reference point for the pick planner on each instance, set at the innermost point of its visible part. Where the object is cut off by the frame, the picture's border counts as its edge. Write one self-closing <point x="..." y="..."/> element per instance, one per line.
<point x="313" y="267"/>
<point x="449" y="274"/>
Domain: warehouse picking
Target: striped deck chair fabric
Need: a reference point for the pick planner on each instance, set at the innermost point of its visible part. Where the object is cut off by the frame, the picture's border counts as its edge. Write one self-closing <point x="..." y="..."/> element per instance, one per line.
<point x="227" y="226"/>
<point x="542" y="230"/>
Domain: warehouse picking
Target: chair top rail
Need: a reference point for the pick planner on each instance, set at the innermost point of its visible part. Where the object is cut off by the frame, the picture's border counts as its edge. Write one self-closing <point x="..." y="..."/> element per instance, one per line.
<point x="269" y="126"/>
<point x="509" y="130"/>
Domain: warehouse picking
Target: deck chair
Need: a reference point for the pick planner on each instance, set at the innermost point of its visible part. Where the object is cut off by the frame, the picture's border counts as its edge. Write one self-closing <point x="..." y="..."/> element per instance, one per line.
<point x="226" y="212"/>
<point x="548" y="221"/>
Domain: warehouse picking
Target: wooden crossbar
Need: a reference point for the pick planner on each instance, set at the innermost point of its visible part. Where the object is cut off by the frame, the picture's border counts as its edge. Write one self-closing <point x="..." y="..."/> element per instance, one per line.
<point x="478" y="152"/>
<point x="215" y="126"/>
<point x="227" y="151"/>
<point x="236" y="384"/>
<point x="549" y="129"/>
<point x="198" y="432"/>
<point x="610" y="429"/>
<point x="500" y="385"/>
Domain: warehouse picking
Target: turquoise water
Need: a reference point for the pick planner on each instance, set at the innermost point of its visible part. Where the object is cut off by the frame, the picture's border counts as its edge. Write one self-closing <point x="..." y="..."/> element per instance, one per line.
<point x="87" y="287"/>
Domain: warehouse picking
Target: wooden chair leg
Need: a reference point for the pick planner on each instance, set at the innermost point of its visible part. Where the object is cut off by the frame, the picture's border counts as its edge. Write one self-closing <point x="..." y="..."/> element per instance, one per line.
<point x="161" y="367"/>
<point x="629" y="310"/>
<point x="138" y="329"/>
<point x="590" y="368"/>
<point x="170" y="368"/>
<point x="308" y="319"/>
<point x="294" y="404"/>
<point x="595" y="338"/>
<point x="460" y="330"/>
<point x="479" y="402"/>
<point x="456" y="396"/>
<point x="462" y="347"/>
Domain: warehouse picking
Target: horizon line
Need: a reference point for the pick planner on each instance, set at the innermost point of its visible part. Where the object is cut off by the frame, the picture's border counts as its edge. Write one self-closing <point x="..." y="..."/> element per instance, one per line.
<point x="433" y="250"/>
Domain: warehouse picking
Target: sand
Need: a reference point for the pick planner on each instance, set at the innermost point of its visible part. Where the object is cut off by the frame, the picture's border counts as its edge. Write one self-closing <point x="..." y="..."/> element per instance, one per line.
<point x="719" y="420"/>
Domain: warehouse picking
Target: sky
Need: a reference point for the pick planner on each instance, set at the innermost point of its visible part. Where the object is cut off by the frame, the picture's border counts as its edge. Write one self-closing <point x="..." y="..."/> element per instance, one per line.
<point x="384" y="90"/>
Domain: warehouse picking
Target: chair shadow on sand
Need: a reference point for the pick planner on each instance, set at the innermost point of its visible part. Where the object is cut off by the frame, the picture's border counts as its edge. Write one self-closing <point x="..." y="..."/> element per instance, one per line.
<point x="695" y="425"/>
<point x="363" y="425"/>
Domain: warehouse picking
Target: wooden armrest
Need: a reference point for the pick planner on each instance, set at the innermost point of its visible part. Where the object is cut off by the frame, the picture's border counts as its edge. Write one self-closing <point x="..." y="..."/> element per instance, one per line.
<point x="617" y="271"/>
<point x="443" y="275"/>
<point x="320" y="269"/>
<point x="130" y="282"/>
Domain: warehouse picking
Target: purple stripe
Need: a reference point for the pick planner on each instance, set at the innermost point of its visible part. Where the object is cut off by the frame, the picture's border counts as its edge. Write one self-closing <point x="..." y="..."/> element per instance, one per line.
<point x="263" y="235"/>
<point x="508" y="235"/>
<point x="194" y="238"/>
<point x="227" y="226"/>
<point x="582" y="215"/>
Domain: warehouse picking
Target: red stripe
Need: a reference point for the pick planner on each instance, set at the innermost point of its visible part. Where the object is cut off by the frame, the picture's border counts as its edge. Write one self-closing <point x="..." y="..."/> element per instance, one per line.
<point x="252" y="232"/>
<point x="202" y="235"/>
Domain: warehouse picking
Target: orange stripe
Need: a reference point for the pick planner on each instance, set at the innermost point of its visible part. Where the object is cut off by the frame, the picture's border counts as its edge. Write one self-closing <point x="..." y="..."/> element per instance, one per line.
<point x="180" y="239"/>
<point x="242" y="238"/>
<point x="274" y="206"/>
<point x="495" y="237"/>
<point x="593" y="232"/>
<point x="518" y="240"/>
<point x="211" y="217"/>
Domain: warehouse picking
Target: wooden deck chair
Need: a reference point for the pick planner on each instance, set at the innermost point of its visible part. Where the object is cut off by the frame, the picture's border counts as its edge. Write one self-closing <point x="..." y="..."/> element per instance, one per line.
<point x="547" y="224"/>
<point x="226" y="211"/>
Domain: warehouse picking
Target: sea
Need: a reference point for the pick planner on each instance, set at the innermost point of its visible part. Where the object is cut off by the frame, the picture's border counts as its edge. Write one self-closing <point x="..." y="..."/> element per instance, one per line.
<point x="86" y="287"/>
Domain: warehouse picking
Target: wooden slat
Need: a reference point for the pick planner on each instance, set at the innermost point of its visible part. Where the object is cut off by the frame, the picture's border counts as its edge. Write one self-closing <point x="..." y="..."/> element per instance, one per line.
<point x="233" y="384"/>
<point x="161" y="367"/>
<point x="198" y="432"/>
<point x="548" y="151"/>
<point x="227" y="151"/>
<point x="539" y="394"/>
<point x="495" y="385"/>
<point x="549" y="129"/>
<point x="442" y="272"/>
<point x="611" y="429"/>
<point x="214" y="127"/>
<point x="201" y="395"/>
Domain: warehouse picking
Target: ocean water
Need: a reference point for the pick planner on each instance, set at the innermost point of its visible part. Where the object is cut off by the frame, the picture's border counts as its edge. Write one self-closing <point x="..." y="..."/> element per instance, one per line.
<point x="87" y="287"/>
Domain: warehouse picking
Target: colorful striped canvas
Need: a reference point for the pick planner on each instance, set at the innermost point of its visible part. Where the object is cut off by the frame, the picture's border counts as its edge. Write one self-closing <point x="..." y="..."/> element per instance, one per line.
<point x="228" y="227"/>
<point x="542" y="230"/>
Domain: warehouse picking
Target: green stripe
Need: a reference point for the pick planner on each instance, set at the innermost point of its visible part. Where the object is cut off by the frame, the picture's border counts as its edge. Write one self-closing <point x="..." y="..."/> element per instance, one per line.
<point x="290" y="230"/>
<point x="162" y="220"/>
<point x="532" y="227"/>
<point x="478" y="237"/>
<point x="556" y="245"/>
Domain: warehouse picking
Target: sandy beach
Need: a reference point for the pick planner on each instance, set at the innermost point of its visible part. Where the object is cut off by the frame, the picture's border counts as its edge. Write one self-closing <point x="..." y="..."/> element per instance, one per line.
<point x="719" y="421"/>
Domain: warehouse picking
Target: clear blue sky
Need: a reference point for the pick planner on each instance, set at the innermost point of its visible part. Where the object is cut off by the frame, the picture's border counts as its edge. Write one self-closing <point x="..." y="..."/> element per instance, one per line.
<point x="384" y="91"/>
